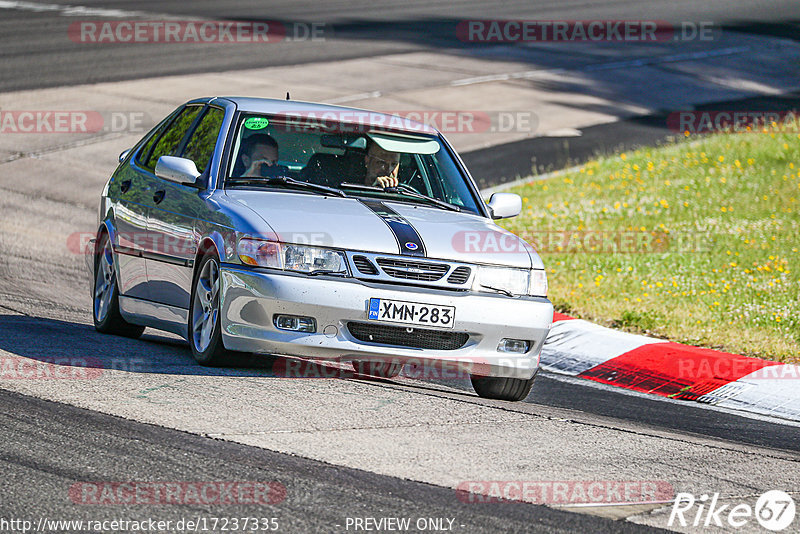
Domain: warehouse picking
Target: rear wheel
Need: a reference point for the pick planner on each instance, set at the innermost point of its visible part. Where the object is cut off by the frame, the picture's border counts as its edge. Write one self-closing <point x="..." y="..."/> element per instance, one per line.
<point x="379" y="369"/>
<point x="502" y="388"/>
<point x="105" y="301"/>
<point x="205" y="330"/>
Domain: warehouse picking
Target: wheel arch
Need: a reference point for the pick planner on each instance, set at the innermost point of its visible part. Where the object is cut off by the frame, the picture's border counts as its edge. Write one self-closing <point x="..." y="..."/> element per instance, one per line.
<point x="210" y="244"/>
<point x="106" y="228"/>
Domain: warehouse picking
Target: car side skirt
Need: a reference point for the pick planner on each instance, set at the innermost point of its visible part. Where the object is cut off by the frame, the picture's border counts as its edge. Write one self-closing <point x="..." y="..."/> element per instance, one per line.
<point x="155" y="315"/>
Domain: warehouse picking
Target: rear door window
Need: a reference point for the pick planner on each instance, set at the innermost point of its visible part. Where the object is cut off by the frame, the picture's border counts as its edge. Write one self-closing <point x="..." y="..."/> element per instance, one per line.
<point x="201" y="145"/>
<point x="171" y="141"/>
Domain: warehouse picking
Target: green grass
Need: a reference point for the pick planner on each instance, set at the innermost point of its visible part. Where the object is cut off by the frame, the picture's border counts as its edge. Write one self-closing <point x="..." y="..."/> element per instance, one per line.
<point x="709" y="233"/>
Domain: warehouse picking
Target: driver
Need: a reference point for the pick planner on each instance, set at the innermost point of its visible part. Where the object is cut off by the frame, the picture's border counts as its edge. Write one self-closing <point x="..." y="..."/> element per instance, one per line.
<point x="258" y="150"/>
<point x="381" y="166"/>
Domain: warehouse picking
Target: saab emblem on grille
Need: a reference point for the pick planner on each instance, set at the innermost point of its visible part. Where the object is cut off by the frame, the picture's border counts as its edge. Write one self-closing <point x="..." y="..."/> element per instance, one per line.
<point x="412" y="246"/>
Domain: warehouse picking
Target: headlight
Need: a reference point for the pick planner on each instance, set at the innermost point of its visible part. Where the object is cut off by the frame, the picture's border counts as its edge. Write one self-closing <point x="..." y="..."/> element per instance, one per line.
<point x="511" y="281"/>
<point x="290" y="257"/>
<point x="308" y="259"/>
<point x="505" y="280"/>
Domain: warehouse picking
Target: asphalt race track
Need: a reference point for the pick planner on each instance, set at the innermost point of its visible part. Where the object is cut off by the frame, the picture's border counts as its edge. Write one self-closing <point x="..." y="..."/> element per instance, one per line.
<point x="341" y="448"/>
<point x="34" y="54"/>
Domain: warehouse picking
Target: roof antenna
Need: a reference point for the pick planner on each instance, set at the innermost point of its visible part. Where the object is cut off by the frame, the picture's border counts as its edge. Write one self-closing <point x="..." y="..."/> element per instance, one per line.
<point x="287" y="95"/>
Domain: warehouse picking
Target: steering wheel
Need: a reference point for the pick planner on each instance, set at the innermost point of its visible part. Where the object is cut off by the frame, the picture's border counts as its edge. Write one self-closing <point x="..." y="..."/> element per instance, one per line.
<point x="414" y="175"/>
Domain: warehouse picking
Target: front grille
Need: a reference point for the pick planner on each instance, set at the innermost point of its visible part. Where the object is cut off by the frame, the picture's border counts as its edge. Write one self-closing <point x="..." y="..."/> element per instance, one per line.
<point x="399" y="336"/>
<point x="413" y="270"/>
<point x="364" y="266"/>
<point x="460" y="275"/>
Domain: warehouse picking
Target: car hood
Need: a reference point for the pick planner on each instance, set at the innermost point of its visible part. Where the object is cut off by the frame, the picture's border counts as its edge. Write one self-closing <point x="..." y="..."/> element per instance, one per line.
<point x="347" y="223"/>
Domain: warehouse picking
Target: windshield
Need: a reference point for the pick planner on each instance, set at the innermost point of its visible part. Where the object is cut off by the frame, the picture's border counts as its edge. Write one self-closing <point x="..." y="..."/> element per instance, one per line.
<point x="359" y="161"/>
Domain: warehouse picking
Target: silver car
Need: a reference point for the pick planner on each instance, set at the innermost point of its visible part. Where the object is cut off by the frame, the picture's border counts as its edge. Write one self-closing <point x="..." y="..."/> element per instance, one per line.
<point x="322" y="233"/>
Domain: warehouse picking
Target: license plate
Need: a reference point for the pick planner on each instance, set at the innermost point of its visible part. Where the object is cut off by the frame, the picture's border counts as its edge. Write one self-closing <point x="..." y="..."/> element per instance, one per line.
<point x="398" y="311"/>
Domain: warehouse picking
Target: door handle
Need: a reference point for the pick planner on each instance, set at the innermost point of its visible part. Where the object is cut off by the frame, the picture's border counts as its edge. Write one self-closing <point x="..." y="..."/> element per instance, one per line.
<point x="124" y="186"/>
<point x="158" y="196"/>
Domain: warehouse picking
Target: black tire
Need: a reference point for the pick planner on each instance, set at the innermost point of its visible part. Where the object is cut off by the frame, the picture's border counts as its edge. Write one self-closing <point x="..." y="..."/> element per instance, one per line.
<point x="207" y="350"/>
<point x="379" y="369"/>
<point x="501" y="388"/>
<point x="105" y="300"/>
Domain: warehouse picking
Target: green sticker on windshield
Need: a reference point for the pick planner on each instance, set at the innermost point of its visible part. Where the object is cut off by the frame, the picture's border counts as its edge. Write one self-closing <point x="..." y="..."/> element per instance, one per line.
<point x="256" y="123"/>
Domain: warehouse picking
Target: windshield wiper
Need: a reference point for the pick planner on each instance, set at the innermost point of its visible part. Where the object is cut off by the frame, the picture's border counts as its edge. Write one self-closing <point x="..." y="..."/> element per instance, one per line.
<point x="405" y="190"/>
<point x="285" y="180"/>
<point x="318" y="272"/>
<point x="499" y="290"/>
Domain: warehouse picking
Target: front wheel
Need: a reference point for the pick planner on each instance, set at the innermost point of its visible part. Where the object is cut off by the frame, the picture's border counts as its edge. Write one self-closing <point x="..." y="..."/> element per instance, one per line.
<point x="205" y="330"/>
<point x="502" y="388"/>
<point x="105" y="297"/>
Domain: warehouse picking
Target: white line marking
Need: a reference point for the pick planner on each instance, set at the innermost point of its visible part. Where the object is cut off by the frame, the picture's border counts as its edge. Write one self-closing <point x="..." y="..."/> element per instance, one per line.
<point x="530" y="74"/>
<point x="358" y="96"/>
<point x="79" y="11"/>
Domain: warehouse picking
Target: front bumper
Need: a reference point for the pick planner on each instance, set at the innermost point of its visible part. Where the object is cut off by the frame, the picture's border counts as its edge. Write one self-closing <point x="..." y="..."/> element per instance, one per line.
<point x="250" y="299"/>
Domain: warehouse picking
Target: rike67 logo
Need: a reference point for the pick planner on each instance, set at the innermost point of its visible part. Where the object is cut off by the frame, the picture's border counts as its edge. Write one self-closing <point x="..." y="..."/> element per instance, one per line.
<point x="774" y="511"/>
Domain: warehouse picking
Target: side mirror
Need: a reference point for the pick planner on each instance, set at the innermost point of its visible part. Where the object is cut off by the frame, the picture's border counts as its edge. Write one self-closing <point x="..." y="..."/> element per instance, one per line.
<point x="124" y="155"/>
<point x="179" y="170"/>
<point x="504" y="205"/>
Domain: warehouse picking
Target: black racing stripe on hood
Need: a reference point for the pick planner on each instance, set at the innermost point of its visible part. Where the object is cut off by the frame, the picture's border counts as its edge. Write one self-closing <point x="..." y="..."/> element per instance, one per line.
<point x="408" y="239"/>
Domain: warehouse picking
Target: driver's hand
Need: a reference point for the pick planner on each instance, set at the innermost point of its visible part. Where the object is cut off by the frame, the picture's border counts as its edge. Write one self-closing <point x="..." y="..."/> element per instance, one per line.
<point x="254" y="170"/>
<point x="387" y="181"/>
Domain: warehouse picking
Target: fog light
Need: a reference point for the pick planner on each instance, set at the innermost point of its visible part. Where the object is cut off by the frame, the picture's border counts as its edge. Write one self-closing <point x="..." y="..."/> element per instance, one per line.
<point x="295" y="323"/>
<point x="519" y="346"/>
